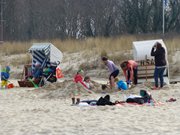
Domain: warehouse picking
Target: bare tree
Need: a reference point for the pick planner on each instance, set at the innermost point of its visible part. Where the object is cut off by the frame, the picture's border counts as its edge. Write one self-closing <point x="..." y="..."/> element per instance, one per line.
<point x="49" y="19"/>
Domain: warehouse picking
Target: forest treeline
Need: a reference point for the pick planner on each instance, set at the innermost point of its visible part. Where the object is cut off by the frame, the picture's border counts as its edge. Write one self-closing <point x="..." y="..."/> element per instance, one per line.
<point x="61" y="19"/>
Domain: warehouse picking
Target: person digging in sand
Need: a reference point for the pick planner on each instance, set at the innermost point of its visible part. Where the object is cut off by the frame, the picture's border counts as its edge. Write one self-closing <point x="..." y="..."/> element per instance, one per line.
<point x="113" y="69"/>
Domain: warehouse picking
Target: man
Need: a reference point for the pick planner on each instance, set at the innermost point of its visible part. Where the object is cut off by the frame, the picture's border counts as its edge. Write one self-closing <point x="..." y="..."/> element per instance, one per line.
<point x="130" y="71"/>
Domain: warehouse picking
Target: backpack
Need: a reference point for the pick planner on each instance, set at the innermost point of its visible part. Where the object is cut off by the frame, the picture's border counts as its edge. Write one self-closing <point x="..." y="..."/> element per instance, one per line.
<point x="146" y="96"/>
<point x="104" y="101"/>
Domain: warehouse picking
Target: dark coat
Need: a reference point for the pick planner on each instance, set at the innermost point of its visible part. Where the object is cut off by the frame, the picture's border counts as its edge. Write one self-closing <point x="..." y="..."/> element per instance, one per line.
<point x="159" y="55"/>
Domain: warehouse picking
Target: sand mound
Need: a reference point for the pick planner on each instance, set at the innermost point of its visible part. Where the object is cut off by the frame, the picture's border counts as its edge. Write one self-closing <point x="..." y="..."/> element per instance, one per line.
<point x="65" y="88"/>
<point x="62" y="90"/>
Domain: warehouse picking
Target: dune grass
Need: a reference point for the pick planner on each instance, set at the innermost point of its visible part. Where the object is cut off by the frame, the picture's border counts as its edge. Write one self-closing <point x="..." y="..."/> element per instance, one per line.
<point x="117" y="49"/>
<point x="98" y="45"/>
<point x="10" y="48"/>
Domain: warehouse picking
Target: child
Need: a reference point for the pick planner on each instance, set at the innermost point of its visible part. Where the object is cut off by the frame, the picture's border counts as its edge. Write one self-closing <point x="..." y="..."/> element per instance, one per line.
<point x="78" y="79"/>
<point x="5" y="76"/>
<point x="121" y="84"/>
<point x="87" y="82"/>
<point x="113" y="69"/>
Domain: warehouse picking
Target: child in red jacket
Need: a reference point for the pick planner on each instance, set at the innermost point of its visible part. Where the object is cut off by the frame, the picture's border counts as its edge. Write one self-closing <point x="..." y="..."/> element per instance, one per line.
<point x="78" y="79"/>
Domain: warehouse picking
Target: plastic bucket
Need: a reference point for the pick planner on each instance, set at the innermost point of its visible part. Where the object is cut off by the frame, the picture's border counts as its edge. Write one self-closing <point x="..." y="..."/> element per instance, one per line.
<point x="10" y="85"/>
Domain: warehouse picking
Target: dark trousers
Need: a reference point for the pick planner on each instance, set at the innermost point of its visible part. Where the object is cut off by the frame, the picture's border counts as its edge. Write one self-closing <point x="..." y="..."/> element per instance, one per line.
<point x="135" y="77"/>
<point x="114" y="74"/>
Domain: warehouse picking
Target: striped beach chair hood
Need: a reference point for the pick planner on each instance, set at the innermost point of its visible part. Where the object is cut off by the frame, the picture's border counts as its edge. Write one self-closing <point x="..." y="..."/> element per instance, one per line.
<point x="43" y="53"/>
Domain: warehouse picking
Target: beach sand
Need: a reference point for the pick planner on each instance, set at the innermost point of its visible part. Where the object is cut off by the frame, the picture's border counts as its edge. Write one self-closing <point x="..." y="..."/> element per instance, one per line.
<point x="48" y="111"/>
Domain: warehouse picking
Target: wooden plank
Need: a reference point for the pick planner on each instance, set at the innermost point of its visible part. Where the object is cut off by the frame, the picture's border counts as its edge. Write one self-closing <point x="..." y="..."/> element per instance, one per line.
<point x="144" y="77"/>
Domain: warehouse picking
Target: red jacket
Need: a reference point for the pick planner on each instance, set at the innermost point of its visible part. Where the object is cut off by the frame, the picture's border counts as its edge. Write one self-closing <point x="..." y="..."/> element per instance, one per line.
<point x="78" y="78"/>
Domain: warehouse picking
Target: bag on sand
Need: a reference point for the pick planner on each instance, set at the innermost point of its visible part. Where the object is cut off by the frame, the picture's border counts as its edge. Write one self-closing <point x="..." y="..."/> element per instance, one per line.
<point x="137" y="100"/>
<point x="145" y="97"/>
<point x="104" y="101"/>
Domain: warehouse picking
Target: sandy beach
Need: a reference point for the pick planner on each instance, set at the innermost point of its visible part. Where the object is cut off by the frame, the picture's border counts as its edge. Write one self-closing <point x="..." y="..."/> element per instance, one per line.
<point x="56" y="56"/>
<point x="30" y="111"/>
<point x="48" y="110"/>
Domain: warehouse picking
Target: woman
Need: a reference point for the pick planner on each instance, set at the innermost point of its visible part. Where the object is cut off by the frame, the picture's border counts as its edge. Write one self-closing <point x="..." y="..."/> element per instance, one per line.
<point x="130" y="71"/>
<point x="160" y="63"/>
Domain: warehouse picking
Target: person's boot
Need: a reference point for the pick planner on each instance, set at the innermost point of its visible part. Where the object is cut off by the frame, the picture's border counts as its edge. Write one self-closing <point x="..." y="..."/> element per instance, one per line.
<point x="78" y="100"/>
<point x="73" y="101"/>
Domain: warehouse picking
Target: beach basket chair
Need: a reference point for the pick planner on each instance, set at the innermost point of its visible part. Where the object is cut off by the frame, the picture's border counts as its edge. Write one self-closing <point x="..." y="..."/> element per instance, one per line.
<point x="44" y="54"/>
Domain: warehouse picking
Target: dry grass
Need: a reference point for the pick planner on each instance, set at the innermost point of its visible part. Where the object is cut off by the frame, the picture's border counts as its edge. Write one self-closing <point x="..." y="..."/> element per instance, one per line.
<point x="112" y="44"/>
<point x="23" y="60"/>
<point x="92" y="46"/>
<point x="91" y="49"/>
<point x="173" y="44"/>
<point x="9" y="48"/>
<point x="96" y="45"/>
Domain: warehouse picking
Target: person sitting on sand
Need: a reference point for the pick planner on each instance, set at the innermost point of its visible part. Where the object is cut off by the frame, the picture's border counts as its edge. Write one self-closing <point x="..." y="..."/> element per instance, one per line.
<point x="121" y="85"/>
<point x="37" y="71"/>
<point x="76" y="92"/>
<point x="88" y="83"/>
<point x="78" y="79"/>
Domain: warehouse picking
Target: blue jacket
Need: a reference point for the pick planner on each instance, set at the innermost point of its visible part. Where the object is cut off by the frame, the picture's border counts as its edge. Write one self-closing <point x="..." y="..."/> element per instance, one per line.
<point x="5" y="76"/>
